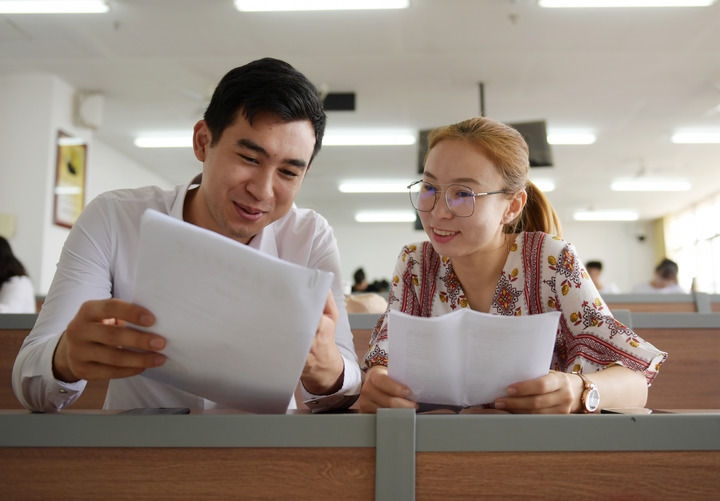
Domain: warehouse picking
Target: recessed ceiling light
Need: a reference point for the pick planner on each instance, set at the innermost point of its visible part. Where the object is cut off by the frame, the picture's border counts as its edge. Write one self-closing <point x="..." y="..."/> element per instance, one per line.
<point x="294" y="5"/>
<point x="605" y="215"/>
<point x="385" y="216"/>
<point x="696" y="137"/>
<point x="53" y="7"/>
<point x="650" y="184"/>
<point x="624" y="3"/>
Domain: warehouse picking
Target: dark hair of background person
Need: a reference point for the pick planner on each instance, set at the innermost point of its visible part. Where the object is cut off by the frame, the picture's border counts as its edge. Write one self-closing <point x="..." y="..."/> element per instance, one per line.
<point x="359" y="276"/>
<point x="265" y="85"/>
<point x="594" y="265"/>
<point x="10" y="266"/>
<point x="508" y="151"/>
<point x="667" y="269"/>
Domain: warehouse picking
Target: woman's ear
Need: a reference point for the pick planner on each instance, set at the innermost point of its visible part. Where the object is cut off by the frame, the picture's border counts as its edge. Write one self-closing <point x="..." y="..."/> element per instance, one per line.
<point x="201" y="140"/>
<point x="515" y="207"/>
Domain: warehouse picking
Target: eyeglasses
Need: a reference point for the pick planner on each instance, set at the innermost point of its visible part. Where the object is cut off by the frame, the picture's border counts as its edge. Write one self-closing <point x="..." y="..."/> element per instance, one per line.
<point x="460" y="200"/>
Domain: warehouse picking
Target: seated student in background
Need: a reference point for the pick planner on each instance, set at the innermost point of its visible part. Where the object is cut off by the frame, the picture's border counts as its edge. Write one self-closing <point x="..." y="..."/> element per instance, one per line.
<point x="492" y="248"/>
<point x="259" y="135"/>
<point x="665" y="280"/>
<point x="17" y="294"/>
<point x="594" y="269"/>
<point x="360" y="283"/>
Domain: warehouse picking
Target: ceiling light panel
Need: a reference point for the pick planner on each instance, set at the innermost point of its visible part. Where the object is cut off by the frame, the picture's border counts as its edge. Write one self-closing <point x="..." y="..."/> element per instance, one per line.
<point x="623" y="3"/>
<point x="53" y="7"/>
<point x="696" y="137"/>
<point x="299" y="5"/>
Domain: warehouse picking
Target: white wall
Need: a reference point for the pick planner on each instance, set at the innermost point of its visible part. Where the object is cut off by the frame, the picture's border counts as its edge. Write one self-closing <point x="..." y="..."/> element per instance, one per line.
<point x="34" y="108"/>
<point x="626" y="249"/>
<point x="626" y="259"/>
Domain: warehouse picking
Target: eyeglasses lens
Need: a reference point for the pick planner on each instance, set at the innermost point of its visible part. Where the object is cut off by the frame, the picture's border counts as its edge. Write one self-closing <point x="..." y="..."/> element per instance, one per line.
<point x="460" y="200"/>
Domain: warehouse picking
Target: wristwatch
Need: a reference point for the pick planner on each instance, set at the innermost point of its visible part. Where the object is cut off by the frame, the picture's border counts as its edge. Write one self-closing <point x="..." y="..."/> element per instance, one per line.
<point x="590" y="397"/>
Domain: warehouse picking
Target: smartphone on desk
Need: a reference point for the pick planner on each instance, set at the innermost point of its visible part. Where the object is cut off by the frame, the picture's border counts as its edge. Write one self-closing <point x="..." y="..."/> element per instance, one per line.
<point x="155" y="411"/>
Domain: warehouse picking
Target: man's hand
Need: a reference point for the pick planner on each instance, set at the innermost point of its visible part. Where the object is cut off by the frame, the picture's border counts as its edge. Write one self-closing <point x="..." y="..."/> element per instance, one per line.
<point x="380" y="390"/>
<point x="98" y="343"/>
<point x="324" y="368"/>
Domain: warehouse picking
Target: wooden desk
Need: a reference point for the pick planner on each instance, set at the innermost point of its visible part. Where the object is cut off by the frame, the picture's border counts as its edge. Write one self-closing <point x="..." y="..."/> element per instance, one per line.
<point x="662" y="303"/>
<point x="13" y="330"/>
<point x="394" y="455"/>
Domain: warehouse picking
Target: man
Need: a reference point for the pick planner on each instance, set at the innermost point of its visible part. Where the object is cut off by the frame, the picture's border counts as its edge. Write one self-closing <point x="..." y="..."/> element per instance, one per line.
<point x="665" y="280"/>
<point x="259" y="135"/>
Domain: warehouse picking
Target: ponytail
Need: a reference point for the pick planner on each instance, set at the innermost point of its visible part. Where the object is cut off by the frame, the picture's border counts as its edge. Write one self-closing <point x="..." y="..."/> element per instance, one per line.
<point x="537" y="215"/>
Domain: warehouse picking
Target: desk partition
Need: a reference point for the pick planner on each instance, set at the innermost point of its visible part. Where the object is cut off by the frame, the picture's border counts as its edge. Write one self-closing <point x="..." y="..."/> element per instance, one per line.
<point x="394" y="455"/>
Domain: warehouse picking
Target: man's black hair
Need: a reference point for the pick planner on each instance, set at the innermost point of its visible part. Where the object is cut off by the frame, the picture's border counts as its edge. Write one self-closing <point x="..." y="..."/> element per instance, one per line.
<point x="265" y="85"/>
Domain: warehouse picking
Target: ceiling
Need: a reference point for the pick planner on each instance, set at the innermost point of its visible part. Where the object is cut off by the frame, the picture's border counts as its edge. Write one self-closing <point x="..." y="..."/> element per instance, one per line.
<point x="631" y="75"/>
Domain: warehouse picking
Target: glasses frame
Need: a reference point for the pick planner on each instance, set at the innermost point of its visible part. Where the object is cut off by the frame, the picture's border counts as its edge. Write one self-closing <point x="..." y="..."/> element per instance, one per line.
<point x="447" y="202"/>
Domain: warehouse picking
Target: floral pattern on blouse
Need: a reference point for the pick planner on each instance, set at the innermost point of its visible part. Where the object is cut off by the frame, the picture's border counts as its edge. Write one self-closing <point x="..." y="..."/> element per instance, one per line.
<point x="542" y="273"/>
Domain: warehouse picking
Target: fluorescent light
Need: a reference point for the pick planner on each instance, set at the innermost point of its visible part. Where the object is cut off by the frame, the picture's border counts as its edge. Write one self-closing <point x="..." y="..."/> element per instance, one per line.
<point x="570" y="137"/>
<point x="53" y="7"/>
<point x="164" y="141"/>
<point x="696" y="137"/>
<point x="294" y="5"/>
<point x="373" y="186"/>
<point x="624" y="3"/>
<point x="369" y="137"/>
<point x="605" y="215"/>
<point x="650" y="184"/>
<point x="385" y="216"/>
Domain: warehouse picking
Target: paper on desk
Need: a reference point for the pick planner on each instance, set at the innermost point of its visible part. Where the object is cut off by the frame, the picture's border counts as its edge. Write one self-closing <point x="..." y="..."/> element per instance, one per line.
<point x="467" y="358"/>
<point x="238" y="322"/>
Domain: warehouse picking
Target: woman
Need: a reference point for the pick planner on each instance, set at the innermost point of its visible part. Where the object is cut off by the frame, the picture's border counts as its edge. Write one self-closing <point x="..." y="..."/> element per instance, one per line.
<point x="16" y="290"/>
<point x="491" y="248"/>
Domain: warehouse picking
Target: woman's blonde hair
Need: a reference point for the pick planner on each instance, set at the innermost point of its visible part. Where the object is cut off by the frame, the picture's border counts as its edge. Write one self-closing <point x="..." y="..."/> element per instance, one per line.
<point x="508" y="151"/>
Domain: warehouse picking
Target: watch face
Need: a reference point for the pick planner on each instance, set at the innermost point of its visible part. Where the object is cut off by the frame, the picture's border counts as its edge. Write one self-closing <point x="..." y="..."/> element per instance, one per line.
<point x="592" y="401"/>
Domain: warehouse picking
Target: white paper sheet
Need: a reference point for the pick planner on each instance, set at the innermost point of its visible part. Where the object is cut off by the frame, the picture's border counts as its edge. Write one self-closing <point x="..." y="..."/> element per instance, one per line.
<point x="468" y="358"/>
<point x="239" y="323"/>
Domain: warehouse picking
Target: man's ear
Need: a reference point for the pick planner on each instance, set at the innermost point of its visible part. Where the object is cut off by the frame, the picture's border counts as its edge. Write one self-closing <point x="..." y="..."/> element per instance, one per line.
<point x="517" y="204"/>
<point x="201" y="140"/>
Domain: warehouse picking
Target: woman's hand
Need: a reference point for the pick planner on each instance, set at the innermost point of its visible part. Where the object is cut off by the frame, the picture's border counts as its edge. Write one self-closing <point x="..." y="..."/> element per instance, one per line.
<point x="380" y="390"/>
<point x="553" y="393"/>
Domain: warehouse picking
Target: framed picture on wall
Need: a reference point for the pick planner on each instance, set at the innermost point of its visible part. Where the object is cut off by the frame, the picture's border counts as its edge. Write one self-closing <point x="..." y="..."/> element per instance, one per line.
<point x="70" y="171"/>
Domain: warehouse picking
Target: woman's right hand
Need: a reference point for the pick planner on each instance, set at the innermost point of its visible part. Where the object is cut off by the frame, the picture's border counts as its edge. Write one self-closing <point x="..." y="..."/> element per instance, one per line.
<point x="380" y="390"/>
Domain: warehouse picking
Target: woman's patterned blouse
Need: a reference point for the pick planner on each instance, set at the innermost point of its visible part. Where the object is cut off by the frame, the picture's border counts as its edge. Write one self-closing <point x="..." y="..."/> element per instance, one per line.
<point x="542" y="273"/>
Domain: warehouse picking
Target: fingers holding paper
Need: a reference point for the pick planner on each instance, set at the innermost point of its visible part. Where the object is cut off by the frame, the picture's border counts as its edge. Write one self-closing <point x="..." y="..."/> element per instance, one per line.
<point x="99" y="344"/>
<point x="380" y="390"/>
<point x="553" y="393"/>
<point x="324" y="367"/>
